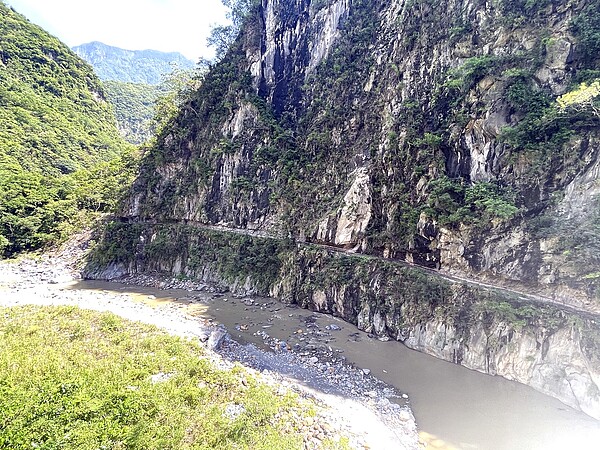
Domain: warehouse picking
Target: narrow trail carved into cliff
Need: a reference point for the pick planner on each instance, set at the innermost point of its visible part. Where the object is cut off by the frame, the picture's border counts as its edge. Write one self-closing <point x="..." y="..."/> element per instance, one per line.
<point x="511" y="293"/>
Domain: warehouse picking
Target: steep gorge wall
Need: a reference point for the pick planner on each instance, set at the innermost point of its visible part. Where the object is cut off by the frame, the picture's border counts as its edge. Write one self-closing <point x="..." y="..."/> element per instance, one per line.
<point x="427" y="131"/>
<point x="454" y="134"/>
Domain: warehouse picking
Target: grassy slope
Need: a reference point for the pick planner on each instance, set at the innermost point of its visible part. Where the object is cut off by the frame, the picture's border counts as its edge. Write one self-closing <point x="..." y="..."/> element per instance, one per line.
<point x="76" y="379"/>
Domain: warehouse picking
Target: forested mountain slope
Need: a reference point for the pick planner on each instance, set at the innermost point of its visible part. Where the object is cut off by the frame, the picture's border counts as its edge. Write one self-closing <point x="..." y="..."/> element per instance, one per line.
<point x="131" y="66"/>
<point x="56" y="130"/>
<point x="134" y="105"/>
<point x="134" y="79"/>
<point x="54" y="114"/>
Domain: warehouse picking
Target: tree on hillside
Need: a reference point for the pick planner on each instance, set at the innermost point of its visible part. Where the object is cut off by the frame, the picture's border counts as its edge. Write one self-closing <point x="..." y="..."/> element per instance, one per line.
<point x="222" y="36"/>
<point x="174" y="90"/>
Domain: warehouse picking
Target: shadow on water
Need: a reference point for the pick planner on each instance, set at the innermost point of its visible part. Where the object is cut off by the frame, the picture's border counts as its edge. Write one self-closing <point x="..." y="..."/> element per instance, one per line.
<point x="455" y="408"/>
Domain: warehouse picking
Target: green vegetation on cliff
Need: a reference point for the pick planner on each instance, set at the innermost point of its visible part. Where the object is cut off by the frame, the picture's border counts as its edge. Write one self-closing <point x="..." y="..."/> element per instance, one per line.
<point x="586" y="26"/>
<point x="233" y="259"/>
<point x="297" y="272"/>
<point x="443" y="135"/>
<point x="141" y="110"/>
<point x="60" y="151"/>
<point x="76" y="379"/>
<point x="222" y="37"/>
<point x="134" y="105"/>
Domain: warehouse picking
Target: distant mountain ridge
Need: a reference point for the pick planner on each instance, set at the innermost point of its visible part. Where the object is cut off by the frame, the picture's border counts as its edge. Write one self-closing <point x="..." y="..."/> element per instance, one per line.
<point x="133" y="66"/>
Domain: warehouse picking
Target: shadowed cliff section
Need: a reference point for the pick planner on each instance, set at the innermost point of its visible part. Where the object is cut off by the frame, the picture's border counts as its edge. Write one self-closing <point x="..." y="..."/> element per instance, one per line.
<point x="446" y="133"/>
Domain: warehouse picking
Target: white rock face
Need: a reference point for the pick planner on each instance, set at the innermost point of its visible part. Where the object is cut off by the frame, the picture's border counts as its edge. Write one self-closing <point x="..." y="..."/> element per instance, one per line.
<point x="327" y="22"/>
<point x="480" y="146"/>
<point x="229" y="171"/>
<point x="325" y="229"/>
<point x="559" y="52"/>
<point x="566" y="369"/>
<point x="286" y="37"/>
<point x="435" y="338"/>
<point x="245" y="117"/>
<point x="272" y="24"/>
<point x="320" y="300"/>
<point x="356" y="212"/>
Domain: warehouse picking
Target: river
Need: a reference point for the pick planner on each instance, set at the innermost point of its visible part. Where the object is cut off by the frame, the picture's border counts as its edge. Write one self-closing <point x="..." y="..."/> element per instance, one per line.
<point x="455" y="408"/>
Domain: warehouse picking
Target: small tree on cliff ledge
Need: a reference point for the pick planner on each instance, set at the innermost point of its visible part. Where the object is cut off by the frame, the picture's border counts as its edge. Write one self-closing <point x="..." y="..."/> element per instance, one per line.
<point x="223" y="36"/>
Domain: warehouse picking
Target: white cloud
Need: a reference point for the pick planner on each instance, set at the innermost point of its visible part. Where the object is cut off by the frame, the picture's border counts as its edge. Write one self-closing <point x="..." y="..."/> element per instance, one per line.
<point x="166" y="25"/>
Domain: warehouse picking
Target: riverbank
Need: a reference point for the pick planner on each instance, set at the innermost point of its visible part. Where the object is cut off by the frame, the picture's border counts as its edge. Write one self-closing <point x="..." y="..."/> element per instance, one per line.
<point x="455" y="408"/>
<point x="352" y="404"/>
<point x="79" y="379"/>
<point x="550" y="348"/>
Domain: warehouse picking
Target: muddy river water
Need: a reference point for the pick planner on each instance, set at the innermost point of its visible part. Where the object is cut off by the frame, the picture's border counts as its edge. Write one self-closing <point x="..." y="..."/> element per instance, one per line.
<point x="455" y="408"/>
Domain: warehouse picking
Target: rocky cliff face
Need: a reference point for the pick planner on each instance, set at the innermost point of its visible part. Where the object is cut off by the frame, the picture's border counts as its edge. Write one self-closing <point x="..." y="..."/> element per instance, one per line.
<point x="425" y="131"/>
<point x="462" y="135"/>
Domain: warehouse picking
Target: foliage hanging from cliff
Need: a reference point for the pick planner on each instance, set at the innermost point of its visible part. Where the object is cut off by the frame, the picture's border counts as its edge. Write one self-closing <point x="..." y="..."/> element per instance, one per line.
<point x="586" y="26"/>
<point x="451" y="202"/>
<point x="547" y="125"/>
<point x="584" y="97"/>
<point x="236" y="258"/>
<point x="175" y="89"/>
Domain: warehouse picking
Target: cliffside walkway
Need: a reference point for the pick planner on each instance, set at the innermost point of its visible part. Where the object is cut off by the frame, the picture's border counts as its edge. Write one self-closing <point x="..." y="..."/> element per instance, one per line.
<point x="514" y="294"/>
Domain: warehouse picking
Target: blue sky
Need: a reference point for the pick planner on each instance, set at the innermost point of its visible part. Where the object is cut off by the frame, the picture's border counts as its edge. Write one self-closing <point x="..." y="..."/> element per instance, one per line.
<point x="166" y="25"/>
